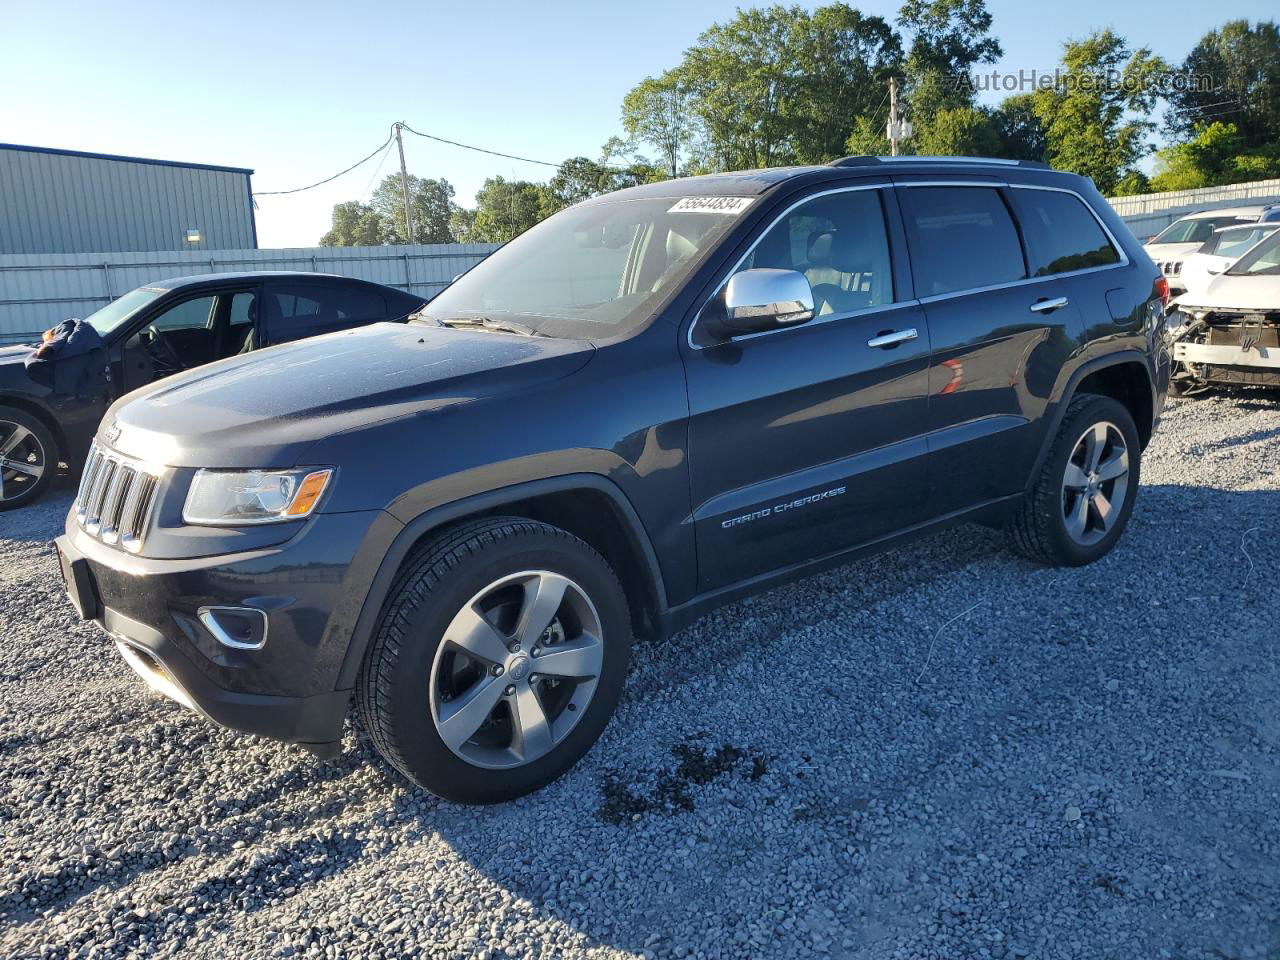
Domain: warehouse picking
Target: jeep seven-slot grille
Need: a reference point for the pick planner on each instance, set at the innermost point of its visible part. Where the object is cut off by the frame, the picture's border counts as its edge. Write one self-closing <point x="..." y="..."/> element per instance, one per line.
<point x="115" y="499"/>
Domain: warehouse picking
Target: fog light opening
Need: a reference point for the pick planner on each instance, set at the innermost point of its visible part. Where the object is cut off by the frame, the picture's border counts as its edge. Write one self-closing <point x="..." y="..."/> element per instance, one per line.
<point x="240" y="628"/>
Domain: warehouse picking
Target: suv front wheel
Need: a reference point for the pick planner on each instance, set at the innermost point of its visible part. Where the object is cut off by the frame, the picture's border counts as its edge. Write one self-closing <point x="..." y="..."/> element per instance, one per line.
<point x="498" y="660"/>
<point x="1084" y="494"/>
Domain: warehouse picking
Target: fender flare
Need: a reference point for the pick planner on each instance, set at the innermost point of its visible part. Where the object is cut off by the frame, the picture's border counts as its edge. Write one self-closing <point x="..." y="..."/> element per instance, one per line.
<point x="1128" y="355"/>
<point x="437" y="517"/>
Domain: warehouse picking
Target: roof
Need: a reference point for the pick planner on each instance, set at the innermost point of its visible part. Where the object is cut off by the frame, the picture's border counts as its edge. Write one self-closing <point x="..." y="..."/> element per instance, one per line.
<point x="174" y="282"/>
<point x="1256" y="210"/>
<point x="743" y="183"/>
<point x="112" y="156"/>
<point x="1251" y="225"/>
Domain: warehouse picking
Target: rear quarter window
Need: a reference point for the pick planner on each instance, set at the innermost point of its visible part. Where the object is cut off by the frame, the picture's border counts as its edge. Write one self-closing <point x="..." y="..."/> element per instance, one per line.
<point x="1062" y="234"/>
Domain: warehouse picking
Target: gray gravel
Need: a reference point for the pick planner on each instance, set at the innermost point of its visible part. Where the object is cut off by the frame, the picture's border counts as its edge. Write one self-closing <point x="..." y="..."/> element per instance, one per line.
<point x="946" y="751"/>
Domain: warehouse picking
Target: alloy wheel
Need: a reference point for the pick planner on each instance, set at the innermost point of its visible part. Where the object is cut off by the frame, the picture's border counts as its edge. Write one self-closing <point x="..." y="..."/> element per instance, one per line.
<point x="22" y="460"/>
<point x="1095" y="483"/>
<point x="516" y="669"/>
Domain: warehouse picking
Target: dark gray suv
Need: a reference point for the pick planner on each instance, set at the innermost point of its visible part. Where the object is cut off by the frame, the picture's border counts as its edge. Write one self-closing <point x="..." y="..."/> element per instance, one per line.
<point x="650" y="404"/>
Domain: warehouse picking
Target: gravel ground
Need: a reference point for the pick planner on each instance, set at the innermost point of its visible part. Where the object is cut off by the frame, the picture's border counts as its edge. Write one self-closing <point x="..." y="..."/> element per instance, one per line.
<point x="946" y="751"/>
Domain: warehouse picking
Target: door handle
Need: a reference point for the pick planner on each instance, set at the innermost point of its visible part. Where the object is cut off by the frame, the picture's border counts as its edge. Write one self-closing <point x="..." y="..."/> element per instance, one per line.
<point x="1047" y="306"/>
<point x="893" y="338"/>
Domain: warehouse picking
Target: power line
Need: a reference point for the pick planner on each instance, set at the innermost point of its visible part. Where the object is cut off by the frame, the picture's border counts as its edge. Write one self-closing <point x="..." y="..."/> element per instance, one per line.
<point x="386" y="152"/>
<point x="467" y="146"/>
<point x="1207" y="106"/>
<point x="429" y="136"/>
<point x="321" y="183"/>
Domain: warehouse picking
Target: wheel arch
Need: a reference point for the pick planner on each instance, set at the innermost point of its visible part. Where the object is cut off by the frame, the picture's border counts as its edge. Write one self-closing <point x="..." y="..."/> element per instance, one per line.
<point x="589" y="506"/>
<point x="1124" y="376"/>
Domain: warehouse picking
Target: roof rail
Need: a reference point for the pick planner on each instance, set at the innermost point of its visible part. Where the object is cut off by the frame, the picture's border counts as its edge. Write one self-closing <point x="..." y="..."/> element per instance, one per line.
<point x="866" y="161"/>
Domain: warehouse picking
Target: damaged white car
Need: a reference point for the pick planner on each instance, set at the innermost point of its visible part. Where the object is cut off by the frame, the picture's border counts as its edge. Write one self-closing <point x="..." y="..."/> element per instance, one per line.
<point x="1228" y="331"/>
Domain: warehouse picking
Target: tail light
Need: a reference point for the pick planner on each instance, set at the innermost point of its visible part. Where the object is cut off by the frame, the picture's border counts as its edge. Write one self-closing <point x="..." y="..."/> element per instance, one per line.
<point x="1161" y="289"/>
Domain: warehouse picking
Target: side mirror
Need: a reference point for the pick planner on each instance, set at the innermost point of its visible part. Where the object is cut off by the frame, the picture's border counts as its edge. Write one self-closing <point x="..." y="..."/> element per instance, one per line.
<point x="763" y="299"/>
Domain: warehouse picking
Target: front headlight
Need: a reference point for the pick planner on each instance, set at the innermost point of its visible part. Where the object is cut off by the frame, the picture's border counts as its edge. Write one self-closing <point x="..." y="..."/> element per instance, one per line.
<point x="233" y="497"/>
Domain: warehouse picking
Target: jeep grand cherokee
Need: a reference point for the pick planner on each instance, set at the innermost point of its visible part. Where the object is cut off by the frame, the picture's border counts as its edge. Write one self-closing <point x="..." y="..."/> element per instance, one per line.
<point x="651" y="403"/>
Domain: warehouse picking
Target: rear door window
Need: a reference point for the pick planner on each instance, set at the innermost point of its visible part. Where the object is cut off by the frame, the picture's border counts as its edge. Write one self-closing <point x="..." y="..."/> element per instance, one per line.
<point x="961" y="238"/>
<point x="297" y="310"/>
<point x="307" y="309"/>
<point x="1061" y="233"/>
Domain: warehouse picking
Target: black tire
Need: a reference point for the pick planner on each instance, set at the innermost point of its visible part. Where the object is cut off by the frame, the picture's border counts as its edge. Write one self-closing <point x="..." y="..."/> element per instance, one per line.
<point x="397" y="690"/>
<point x="1039" y="529"/>
<point x="37" y="449"/>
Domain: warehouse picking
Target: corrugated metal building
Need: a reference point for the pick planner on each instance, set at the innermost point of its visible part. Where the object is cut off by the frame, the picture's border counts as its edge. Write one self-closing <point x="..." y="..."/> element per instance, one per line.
<point x="65" y="201"/>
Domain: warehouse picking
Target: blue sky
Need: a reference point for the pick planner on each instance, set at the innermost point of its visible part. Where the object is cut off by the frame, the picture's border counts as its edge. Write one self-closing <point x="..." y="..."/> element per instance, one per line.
<point x="297" y="91"/>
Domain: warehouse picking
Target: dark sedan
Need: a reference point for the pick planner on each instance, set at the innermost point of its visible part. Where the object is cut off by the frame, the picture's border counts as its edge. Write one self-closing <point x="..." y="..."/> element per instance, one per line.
<point x="48" y="417"/>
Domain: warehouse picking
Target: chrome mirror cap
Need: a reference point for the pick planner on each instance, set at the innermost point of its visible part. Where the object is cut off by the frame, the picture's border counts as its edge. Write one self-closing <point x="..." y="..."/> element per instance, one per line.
<point x="762" y="299"/>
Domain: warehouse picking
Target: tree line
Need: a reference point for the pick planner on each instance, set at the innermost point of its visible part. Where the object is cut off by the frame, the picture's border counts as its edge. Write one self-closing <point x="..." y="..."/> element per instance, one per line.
<point x="782" y="85"/>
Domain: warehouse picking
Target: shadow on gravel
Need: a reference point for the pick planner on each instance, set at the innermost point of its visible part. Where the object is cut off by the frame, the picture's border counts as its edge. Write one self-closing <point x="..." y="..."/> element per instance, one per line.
<point x="1025" y="791"/>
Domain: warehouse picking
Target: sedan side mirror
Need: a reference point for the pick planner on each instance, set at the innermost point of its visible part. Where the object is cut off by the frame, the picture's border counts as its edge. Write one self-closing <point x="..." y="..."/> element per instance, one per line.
<point x="763" y="299"/>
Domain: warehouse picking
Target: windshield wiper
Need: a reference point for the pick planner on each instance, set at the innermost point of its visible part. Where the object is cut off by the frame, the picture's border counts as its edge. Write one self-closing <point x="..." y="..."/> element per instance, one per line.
<point x="488" y="323"/>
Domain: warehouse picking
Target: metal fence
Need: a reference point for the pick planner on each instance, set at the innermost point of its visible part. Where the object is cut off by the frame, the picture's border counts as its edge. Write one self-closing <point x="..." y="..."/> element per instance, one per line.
<point x="38" y="290"/>
<point x="1148" y="214"/>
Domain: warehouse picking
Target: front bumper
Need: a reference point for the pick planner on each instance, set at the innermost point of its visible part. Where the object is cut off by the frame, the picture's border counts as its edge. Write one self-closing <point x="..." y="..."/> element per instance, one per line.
<point x="1228" y="355"/>
<point x="306" y="588"/>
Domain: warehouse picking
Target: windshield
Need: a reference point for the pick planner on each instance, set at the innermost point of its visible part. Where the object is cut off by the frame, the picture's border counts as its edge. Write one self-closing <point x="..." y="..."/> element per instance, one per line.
<point x="1263" y="260"/>
<point x="1195" y="229"/>
<point x="595" y="270"/>
<point x="1232" y="242"/>
<point x="118" y="312"/>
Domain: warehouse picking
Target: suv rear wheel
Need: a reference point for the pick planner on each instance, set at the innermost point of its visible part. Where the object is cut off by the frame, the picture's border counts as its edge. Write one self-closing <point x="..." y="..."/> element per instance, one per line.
<point x="28" y="458"/>
<point x="498" y="660"/>
<point x="1082" y="499"/>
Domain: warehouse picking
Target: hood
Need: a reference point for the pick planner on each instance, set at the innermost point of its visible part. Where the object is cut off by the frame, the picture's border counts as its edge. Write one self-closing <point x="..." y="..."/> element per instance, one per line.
<point x="1163" y="251"/>
<point x="265" y="408"/>
<point x="15" y="353"/>
<point x="1224" y="292"/>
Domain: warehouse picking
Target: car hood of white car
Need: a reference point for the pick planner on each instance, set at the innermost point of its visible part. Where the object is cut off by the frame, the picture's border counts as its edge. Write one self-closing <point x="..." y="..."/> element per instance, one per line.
<point x="1226" y="292"/>
<point x="1170" y="251"/>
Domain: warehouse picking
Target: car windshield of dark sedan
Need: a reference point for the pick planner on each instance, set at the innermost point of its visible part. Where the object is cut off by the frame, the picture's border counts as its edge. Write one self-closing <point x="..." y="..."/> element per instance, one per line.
<point x="593" y="271"/>
<point x="118" y="312"/>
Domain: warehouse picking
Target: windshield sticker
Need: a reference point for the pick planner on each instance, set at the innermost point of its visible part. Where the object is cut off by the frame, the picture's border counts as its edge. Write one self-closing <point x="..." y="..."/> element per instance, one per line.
<point x="731" y="206"/>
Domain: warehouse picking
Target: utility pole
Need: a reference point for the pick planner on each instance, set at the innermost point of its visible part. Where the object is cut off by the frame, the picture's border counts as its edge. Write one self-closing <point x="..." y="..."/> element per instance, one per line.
<point x="893" y="121"/>
<point x="404" y="187"/>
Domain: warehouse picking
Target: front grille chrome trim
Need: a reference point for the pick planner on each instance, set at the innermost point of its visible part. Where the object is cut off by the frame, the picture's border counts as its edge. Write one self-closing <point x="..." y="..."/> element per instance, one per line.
<point x="117" y="498"/>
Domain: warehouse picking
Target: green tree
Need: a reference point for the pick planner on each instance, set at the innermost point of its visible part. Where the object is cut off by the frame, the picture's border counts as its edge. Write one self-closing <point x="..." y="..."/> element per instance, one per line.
<point x="959" y="132"/>
<point x="1020" y="129"/>
<point x="657" y="111"/>
<point x="847" y="58"/>
<point x="947" y="39"/>
<point x="575" y="180"/>
<point x="505" y="209"/>
<point x="430" y="202"/>
<point x="868" y="138"/>
<point x="1217" y="155"/>
<point x="1242" y="66"/>
<point x="782" y="85"/>
<point x="1096" y="119"/>
<point x="462" y="224"/>
<point x="354" y="225"/>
